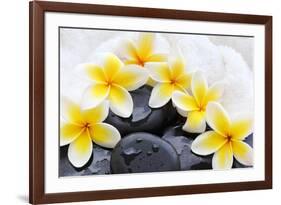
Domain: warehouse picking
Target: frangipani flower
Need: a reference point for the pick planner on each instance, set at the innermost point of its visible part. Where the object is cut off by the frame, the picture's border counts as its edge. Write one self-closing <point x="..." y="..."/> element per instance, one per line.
<point x="111" y="80"/>
<point x="169" y="76"/>
<point x="84" y="126"/>
<point x="226" y="140"/>
<point x="142" y="51"/>
<point x="195" y="106"/>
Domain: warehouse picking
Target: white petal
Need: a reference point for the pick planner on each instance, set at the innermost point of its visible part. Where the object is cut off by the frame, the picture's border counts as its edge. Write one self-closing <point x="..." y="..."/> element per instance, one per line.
<point x="184" y="101"/>
<point x="96" y="114"/>
<point x="207" y="143"/>
<point x="121" y="102"/>
<point x="217" y="118"/>
<point x="214" y="93"/>
<point x="182" y="112"/>
<point x="94" y="95"/>
<point x="223" y="158"/>
<point x="68" y="133"/>
<point x="243" y="152"/>
<point x="112" y="65"/>
<point x="160" y="95"/>
<point x="131" y="77"/>
<point x="80" y="150"/>
<point x="241" y="127"/>
<point x="199" y="87"/>
<point x="94" y="72"/>
<point x="159" y="71"/>
<point x="145" y="44"/>
<point x="177" y="66"/>
<point x="195" y="122"/>
<point x="71" y="111"/>
<point x="105" y="135"/>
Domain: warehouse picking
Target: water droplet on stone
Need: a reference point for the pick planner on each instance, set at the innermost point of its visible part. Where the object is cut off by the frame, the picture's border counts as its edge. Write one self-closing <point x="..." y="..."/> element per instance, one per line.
<point x="139" y="140"/>
<point x="155" y="148"/>
<point x="129" y="154"/>
<point x="131" y="151"/>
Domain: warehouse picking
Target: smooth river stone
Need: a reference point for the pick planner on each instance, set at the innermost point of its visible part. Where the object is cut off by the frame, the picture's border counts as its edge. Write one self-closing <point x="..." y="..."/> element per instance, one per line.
<point x="143" y="152"/>
<point x="177" y="130"/>
<point x="143" y="118"/>
<point x="99" y="163"/>
<point x="249" y="140"/>
<point x="188" y="160"/>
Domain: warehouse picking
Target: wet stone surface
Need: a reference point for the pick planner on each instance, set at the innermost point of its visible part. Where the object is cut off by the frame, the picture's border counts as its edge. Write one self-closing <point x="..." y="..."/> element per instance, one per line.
<point x="143" y="152"/>
<point x="176" y="130"/>
<point x="99" y="163"/>
<point x="143" y="118"/>
<point x="182" y="143"/>
<point x="249" y="140"/>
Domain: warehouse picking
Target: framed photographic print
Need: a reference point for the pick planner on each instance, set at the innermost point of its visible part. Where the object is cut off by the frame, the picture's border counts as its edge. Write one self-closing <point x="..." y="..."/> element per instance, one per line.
<point x="138" y="102"/>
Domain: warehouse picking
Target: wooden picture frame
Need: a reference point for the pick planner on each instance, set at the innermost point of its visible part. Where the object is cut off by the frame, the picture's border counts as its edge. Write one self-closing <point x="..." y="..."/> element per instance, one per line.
<point x="38" y="9"/>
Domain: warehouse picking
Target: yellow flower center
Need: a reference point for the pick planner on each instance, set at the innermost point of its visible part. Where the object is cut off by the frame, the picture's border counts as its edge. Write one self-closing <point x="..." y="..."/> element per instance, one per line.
<point x="173" y="81"/>
<point x="140" y="61"/>
<point x="229" y="138"/>
<point x="86" y="125"/>
<point x="109" y="82"/>
<point x="202" y="109"/>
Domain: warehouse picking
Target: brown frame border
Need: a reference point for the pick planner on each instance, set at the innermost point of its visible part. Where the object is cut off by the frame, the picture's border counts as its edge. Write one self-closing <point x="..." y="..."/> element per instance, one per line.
<point x="36" y="101"/>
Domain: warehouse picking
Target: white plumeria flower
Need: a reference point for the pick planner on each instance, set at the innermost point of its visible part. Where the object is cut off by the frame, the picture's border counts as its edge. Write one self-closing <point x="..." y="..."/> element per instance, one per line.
<point x="195" y="105"/>
<point x="226" y="140"/>
<point x="169" y="76"/>
<point x="142" y="51"/>
<point x="81" y="127"/>
<point x="111" y="80"/>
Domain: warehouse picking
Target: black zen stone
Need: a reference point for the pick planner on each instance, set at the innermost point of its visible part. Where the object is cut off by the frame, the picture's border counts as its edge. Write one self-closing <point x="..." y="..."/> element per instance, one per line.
<point x="249" y="141"/>
<point x="178" y="131"/>
<point x="143" y="118"/>
<point x="188" y="160"/>
<point x="99" y="163"/>
<point x="143" y="152"/>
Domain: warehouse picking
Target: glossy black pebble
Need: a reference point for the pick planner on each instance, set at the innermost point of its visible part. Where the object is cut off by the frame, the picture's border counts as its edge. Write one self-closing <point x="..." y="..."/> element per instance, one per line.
<point x="178" y="131"/>
<point x="249" y="140"/>
<point x="99" y="164"/>
<point x="143" y="152"/>
<point x="143" y="118"/>
<point x="188" y="160"/>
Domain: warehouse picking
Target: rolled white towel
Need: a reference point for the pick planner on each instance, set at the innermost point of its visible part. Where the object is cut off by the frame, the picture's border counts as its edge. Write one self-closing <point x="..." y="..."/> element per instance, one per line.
<point x="222" y="63"/>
